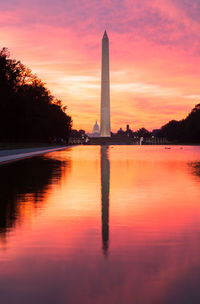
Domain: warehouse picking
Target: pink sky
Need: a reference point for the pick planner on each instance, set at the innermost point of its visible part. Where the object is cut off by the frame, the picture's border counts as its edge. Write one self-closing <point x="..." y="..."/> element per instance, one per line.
<point x="154" y="55"/>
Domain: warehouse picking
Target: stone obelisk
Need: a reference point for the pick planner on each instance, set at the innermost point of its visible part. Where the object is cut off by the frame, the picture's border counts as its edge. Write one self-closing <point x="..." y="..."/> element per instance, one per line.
<point x="105" y="89"/>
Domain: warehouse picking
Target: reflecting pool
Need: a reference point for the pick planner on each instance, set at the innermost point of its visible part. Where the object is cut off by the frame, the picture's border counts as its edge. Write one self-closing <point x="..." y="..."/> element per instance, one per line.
<point x="110" y="224"/>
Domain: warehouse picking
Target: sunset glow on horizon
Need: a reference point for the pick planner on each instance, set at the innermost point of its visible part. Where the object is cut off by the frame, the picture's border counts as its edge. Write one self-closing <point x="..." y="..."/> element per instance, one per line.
<point x="154" y="55"/>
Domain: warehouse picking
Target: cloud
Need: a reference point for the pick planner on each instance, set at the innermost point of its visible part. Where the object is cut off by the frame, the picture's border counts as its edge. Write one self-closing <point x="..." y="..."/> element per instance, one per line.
<point x="154" y="54"/>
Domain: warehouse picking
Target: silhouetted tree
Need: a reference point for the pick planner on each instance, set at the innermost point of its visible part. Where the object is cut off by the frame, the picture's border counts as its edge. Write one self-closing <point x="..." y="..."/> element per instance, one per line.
<point x="186" y="130"/>
<point x="143" y="133"/>
<point x="28" y="111"/>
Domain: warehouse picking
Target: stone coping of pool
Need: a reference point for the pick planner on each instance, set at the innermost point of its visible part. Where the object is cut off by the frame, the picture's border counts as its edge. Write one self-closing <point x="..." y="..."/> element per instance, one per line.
<point x="7" y="156"/>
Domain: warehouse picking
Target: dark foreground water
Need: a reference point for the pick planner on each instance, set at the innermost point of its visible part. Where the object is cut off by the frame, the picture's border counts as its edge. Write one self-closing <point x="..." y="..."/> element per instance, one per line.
<point x="98" y="225"/>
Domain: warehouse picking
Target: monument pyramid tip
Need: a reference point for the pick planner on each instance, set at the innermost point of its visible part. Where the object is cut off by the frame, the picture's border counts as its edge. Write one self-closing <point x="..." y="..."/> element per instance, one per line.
<point x="105" y="34"/>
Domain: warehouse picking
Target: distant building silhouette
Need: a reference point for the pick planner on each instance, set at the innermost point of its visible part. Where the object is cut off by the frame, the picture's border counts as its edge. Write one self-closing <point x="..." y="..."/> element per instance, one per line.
<point x="120" y="132"/>
<point x="77" y="137"/>
<point x="96" y="130"/>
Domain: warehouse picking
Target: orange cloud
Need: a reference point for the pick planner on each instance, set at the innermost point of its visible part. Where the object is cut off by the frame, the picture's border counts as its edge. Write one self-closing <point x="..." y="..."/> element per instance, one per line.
<point x="153" y="56"/>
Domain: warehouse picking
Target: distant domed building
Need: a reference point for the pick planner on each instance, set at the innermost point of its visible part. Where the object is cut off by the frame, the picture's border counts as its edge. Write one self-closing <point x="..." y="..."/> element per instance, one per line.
<point x="96" y="130"/>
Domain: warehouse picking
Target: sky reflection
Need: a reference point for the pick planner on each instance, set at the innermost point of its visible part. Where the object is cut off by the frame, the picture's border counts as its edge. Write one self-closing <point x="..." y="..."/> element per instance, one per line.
<point x="137" y="206"/>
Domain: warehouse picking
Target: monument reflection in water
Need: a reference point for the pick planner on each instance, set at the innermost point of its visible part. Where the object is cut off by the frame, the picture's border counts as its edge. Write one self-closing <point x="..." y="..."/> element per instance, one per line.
<point x="105" y="189"/>
<point x="62" y="214"/>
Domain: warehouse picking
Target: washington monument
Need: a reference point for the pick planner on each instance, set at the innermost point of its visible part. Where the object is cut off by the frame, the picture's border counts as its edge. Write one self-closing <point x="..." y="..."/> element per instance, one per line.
<point x="105" y="89"/>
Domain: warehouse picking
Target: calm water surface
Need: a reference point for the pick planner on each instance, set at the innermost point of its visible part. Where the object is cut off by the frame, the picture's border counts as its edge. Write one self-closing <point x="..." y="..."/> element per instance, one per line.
<point x="99" y="225"/>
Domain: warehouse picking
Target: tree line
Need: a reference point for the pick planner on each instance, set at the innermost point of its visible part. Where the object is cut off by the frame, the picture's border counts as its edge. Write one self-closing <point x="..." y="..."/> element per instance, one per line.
<point x="28" y="111"/>
<point x="185" y="131"/>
